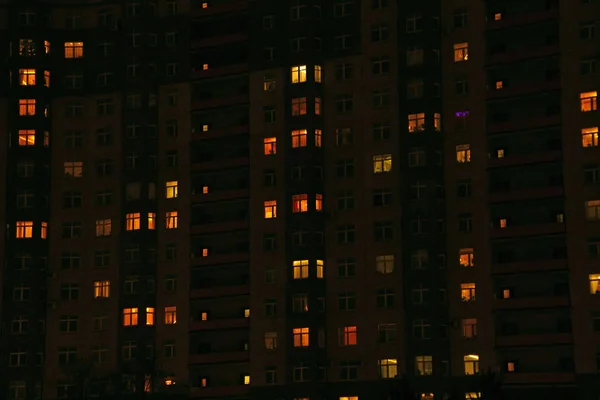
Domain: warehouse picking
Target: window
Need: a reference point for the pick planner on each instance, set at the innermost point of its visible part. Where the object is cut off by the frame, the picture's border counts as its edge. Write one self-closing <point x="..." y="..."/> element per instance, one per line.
<point x="271" y="340"/>
<point x="460" y="18"/>
<point x="382" y="131"/>
<point x="380" y="66"/>
<point x="381" y="98"/>
<point x="301" y="337"/>
<point x="101" y="289"/>
<point x="593" y="245"/>
<point x="269" y="112"/>
<point x="318" y="137"/>
<point x="299" y="106"/>
<point x="463" y="153"/>
<point x="414" y="24"/>
<point x="471" y="362"/>
<point x="414" y="56"/>
<point x="26" y="107"/>
<point x="132" y="221"/>
<point x="171" y="189"/>
<point x="344" y="103"/>
<point x="469" y="328"/>
<point x="465" y="258"/>
<point x="24" y="229"/>
<point x="424" y="365"/>
<point x="343" y="136"/>
<point x="27" y="77"/>
<point x="461" y="52"/>
<point x="346" y="301"/>
<point x="300" y="203"/>
<point x="318" y="104"/>
<point x="130" y="316"/>
<point x="300" y="269"/>
<point x="299" y="138"/>
<point x="592" y="210"/>
<point x="417" y="157"/>
<point x="380" y="33"/>
<point x="270" y="207"/>
<point x="171" y="220"/>
<point x="344" y="71"/>
<point x="384" y="264"/>
<point x="319" y="202"/>
<point x="346" y="234"/>
<point x="589" y="137"/>
<point x="17" y="390"/>
<point x="270" y="146"/>
<point x="73" y="49"/>
<point x="348" y="336"/>
<point x="382" y="163"/>
<point x="299" y="74"/>
<point x="320" y="269"/>
<point x="170" y="315"/>
<point x="467" y="292"/>
<point x="73" y="169"/>
<point x="385" y="298"/>
<point x="388" y="368"/>
<point x="103" y="227"/>
<point x="416" y="122"/>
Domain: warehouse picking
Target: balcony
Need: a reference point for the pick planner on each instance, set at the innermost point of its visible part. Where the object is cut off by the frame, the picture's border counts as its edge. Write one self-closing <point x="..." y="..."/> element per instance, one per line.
<point x="221" y="163"/>
<point x="523" y="54"/>
<point x="523" y="90"/>
<point x="219" y="40"/>
<point x="534" y="339"/>
<point x="519" y="378"/>
<point x="528" y="230"/>
<point x="211" y="72"/>
<point x="216" y="357"/>
<point x="535" y="122"/>
<point x="224" y="131"/>
<point x="525" y="159"/>
<point x="221" y="289"/>
<point x="198" y="260"/>
<point x="231" y="194"/>
<point x="531" y="302"/>
<point x="219" y="226"/>
<point x="529" y="266"/>
<point x="219" y="391"/>
<point x="220" y="323"/>
<point x="222" y="101"/>
<point x="523" y="19"/>
<point x="225" y="7"/>
<point x="526" y="194"/>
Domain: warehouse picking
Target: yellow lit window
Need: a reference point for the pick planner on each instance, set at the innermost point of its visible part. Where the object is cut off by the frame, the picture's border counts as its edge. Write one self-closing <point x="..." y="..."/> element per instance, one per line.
<point x="348" y="398"/>
<point x="317" y="106"/>
<point x="467" y="291"/>
<point x="382" y="163"/>
<point x="24" y="229"/>
<point x="463" y="153"/>
<point x="320" y="269"/>
<point x="44" y="230"/>
<point x="465" y="258"/>
<point x="26" y="47"/>
<point x="299" y="106"/>
<point x="388" y="368"/>
<point x="319" y="202"/>
<point x="299" y="138"/>
<point x="589" y="101"/>
<point x="416" y="122"/>
<point x="47" y="78"/>
<point x="73" y="169"/>
<point x="171" y="188"/>
<point x="300" y="268"/>
<point x="318" y="73"/>
<point x="130" y="316"/>
<point x="151" y="221"/>
<point x="149" y="315"/>
<point x="424" y="365"/>
<point x="27" y="77"/>
<point x="592" y="210"/>
<point x="204" y="128"/>
<point x="348" y="336"/>
<point x="299" y="74"/>
<point x="437" y="122"/>
<point x="170" y="315"/>
<point x="246" y="379"/>
<point x="471" y="364"/>
<point x="270" y="146"/>
<point x="318" y="137"/>
<point x="171" y="220"/>
<point x="269" y="83"/>
<point x="589" y="137"/>
<point x="270" y="209"/>
<point x="300" y="203"/>
<point x="132" y="221"/>
<point x="594" y="283"/>
<point x="461" y="52"/>
<point x="27" y="137"/>
<point x="26" y="107"/>
<point x="102" y="289"/>
<point x="301" y="337"/>
<point x="103" y="227"/>
<point x="384" y="264"/>
<point x="246" y="313"/>
<point x="73" y="49"/>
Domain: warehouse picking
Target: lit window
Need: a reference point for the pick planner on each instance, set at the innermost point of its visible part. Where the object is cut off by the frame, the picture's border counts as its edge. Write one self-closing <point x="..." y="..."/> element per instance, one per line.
<point x="299" y="106"/>
<point x="271" y="340"/>
<point x="437" y="122"/>
<point x="465" y="258"/>
<point x="171" y="189"/>
<point x="26" y="107"/>
<point x="301" y="337"/>
<point x="499" y="84"/>
<point x="471" y="364"/>
<point x="170" y="381"/>
<point x="73" y="169"/>
<point x="384" y="264"/>
<point x="46" y="47"/>
<point x="473" y="396"/>
<point x="320" y="269"/>
<point x="463" y="153"/>
<point x="318" y="73"/>
<point x="103" y="227"/>
<point x="149" y="315"/>
<point x="319" y="202"/>
<point x="503" y="223"/>
<point x="348" y="336"/>
<point x="594" y="283"/>
<point x="269" y="84"/>
<point x="300" y="203"/>
<point x="204" y="67"/>
<point x="132" y="221"/>
<point x="318" y="138"/>
<point x="589" y="137"/>
<point x="73" y="49"/>
<point x="47" y="78"/>
<point x="130" y="316"/>
<point x="317" y="106"/>
<point x="171" y="220"/>
<point x="500" y="153"/>
<point x="246" y="379"/>
<point x="204" y="189"/>
<point x="204" y="316"/>
<point x="382" y="163"/>
<point x="461" y="52"/>
<point x="388" y="368"/>
<point x="416" y="122"/>
<point x="270" y="209"/>
<point x="44" y="230"/>
<point x="506" y="293"/>
<point x="246" y="313"/>
<point x="589" y="101"/>
<point x="170" y="315"/>
<point x="348" y="398"/>
<point x="424" y="365"/>
<point x="152" y="221"/>
<point x="27" y="137"/>
<point x="270" y="146"/>
<point x="24" y="229"/>
<point x="497" y="16"/>
<point x="300" y="268"/>
<point x="469" y="327"/>
<point x="592" y="210"/>
<point x="27" y="77"/>
<point x="299" y="138"/>
<point x="101" y="289"/>
<point x="467" y="292"/>
<point x="299" y="74"/>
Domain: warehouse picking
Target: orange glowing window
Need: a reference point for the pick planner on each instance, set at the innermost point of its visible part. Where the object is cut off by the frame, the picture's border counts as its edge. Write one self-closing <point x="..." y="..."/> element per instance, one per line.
<point x="466" y="258"/>
<point x="320" y="269"/>
<point x="204" y="67"/>
<point x="149" y="315"/>
<point x="298" y="74"/>
<point x="204" y="5"/>
<point x="301" y="337"/>
<point x="300" y="269"/>
<point x="270" y="209"/>
<point x="24" y="229"/>
<point x="132" y="221"/>
<point x="318" y="106"/>
<point x="27" y="77"/>
<point x="27" y="137"/>
<point x="348" y="336"/>
<point x="299" y="138"/>
<point x="461" y="52"/>
<point x="497" y="16"/>
<point x="73" y="49"/>
<point x="26" y="107"/>
<point x="130" y="316"/>
<point x="319" y="202"/>
<point x="299" y="106"/>
<point x="171" y="220"/>
<point x="300" y="203"/>
<point x="318" y="137"/>
<point x="204" y="189"/>
<point x="101" y="289"/>
<point x="270" y="146"/>
<point x="318" y="73"/>
<point x="44" y="230"/>
<point x="499" y="84"/>
<point x="467" y="291"/>
<point x="589" y="101"/>
<point x="47" y="78"/>
<point x="151" y="221"/>
<point x="170" y="315"/>
<point x="589" y="137"/>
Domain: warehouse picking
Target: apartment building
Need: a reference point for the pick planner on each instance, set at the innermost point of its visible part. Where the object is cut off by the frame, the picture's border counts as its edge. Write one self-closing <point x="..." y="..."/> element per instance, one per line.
<point x="303" y="199"/>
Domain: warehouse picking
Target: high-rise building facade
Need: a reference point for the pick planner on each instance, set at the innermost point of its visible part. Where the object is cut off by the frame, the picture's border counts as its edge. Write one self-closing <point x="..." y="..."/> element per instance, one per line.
<point x="300" y="199"/>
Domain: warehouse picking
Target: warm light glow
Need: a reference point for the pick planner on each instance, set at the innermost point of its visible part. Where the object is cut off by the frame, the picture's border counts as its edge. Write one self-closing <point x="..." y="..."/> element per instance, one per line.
<point x="416" y="122"/>
<point x="204" y="5"/>
<point x="318" y="73"/>
<point x="317" y="106"/>
<point x="499" y="84"/>
<point x="467" y="291"/>
<point x="170" y="315"/>
<point x="270" y="209"/>
<point x="466" y="258"/>
<point x="497" y="16"/>
<point x="246" y="313"/>
<point x="26" y="107"/>
<point x="101" y="289"/>
<point x="170" y="381"/>
<point x="463" y="153"/>
<point x="47" y="78"/>
<point x="461" y="52"/>
<point x="382" y="163"/>
<point x="301" y="337"/>
<point x="348" y="336"/>
<point x="132" y="221"/>
<point x="171" y="220"/>
<point x="589" y="137"/>
<point x="299" y="138"/>
<point x="270" y="146"/>
<point x="24" y="229"/>
<point x="299" y="106"/>
<point x="204" y="189"/>
<point x="27" y="77"/>
<point x="319" y="202"/>
<point x="589" y="101"/>
<point x="246" y="379"/>
<point x="151" y="221"/>
<point x="594" y="283"/>
<point x="130" y="316"/>
<point x="503" y="223"/>
<point x="204" y="67"/>
<point x="318" y="138"/>
<point x="388" y="368"/>
<point x="73" y="49"/>
<point x="27" y="137"/>
<point x="300" y="269"/>
<point x="44" y="230"/>
<point x="300" y="203"/>
<point x="320" y="269"/>
<point x="471" y="362"/>
<point x="299" y="74"/>
<point x="149" y="315"/>
<point x="171" y="189"/>
<point x="103" y="227"/>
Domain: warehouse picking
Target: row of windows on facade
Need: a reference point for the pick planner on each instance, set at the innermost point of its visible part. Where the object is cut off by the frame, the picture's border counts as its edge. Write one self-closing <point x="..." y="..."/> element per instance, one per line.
<point x="75" y="49"/>
<point x="103" y="227"/>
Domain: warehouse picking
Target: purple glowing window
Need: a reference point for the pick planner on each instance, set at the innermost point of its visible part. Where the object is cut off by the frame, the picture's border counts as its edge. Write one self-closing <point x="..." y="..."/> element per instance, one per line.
<point x="462" y="113"/>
